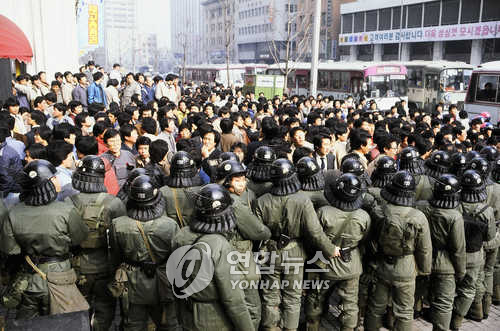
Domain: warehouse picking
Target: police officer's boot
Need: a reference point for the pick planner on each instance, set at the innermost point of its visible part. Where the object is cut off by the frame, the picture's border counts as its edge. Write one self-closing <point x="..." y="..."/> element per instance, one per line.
<point x="476" y="311"/>
<point x="456" y="322"/>
<point x="417" y="308"/>
<point x="312" y="325"/>
<point x="496" y="295"/>
<point x="486" y="305"/>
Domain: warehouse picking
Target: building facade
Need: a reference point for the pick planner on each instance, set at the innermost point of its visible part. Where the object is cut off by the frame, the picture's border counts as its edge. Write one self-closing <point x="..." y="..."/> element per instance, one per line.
<point x="217" y="31"/>
<point x="263" y="28"/>
<point x="50" y="26"/>
<point x="455" y="30"/>
<point x="186" y="30"/>
<point x="329" y="30"/>
<point x="120" y="37"/>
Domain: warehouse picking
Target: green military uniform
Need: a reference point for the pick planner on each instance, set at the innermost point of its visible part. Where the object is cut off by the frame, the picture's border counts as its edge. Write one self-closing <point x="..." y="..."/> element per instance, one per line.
<point x="292" y="215"/>
<point x="396" y="275"/>
<point x="485" y="291"/>
<point x="345" y="229"/>
<point x="259" y="188"/>
<point x="248" y="228"/>
<point x="495" y="175"/>
<point x="404" y="247"/>
<point x="466" y="290"/>
<point x="424" y="187"/>
<point x="317" y="198"/>
<point x="179" y="201"/>
<point x="448" y="262"/>
<point x="91" y="260"/>
<point x="218" y="307"/>
<point x="128" y="248"/>
<point x="46" y="233"/>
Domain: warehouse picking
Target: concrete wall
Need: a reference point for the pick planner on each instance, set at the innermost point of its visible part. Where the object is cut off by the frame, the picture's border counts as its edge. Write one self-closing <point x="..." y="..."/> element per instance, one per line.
<point x="50" y="26"/>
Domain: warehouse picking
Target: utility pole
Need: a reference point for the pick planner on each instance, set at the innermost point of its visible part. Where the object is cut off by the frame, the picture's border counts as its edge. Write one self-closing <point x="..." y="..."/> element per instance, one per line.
<point x="315" y="48"/>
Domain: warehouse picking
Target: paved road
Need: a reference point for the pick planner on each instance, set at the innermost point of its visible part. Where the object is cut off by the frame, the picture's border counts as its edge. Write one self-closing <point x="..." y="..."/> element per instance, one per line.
<point x="492" y="323"/>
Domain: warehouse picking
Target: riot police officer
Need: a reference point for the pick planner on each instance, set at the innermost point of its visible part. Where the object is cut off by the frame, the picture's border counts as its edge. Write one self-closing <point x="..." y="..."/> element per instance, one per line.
<point x="409" y="160"/>
<point x="346" y="224"/>
<point x="290" y="216"/>
<point x="91" y="260"/>
<point x="248" y="228"/>
<point x="220" y="306"/>
<point x="123" y="193"/>
<point x="181" y="186"/>
<point x="259" y="176"/>
<point x="312" y="181"/>
<point x="479" y="225"/>
<point x="495" y="176"/>
<point x="43" y="230"/>
<point x="448" y="247"/>
<point x="141" y="243"/>
<point x="404" y="245"/>
<point x="484" y="288"/>
<point x="385" y="168"/>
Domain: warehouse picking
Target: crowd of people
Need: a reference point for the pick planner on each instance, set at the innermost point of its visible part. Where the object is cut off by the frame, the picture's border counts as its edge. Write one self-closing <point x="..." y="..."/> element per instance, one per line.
<point x="103" y="177"/>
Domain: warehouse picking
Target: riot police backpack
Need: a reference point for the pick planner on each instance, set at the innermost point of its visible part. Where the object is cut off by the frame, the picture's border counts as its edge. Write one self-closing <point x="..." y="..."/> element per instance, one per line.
<point x="397" y="235"/>
<point x="476" y="229"/>
<point x="95" y="218"/>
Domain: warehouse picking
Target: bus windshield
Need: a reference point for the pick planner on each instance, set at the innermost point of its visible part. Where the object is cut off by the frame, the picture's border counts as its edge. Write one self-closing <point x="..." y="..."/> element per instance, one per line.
<point x="387" y="86"/>
<point x="455" y="80"/>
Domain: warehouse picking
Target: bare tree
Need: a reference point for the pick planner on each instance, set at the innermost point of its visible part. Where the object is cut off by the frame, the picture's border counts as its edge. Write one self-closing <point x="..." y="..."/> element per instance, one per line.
<point x="227" y="9"/>
<point x="295" y="40"/>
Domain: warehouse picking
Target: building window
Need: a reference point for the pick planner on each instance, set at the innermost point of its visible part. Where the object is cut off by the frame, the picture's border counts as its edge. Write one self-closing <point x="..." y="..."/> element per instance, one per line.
<point x="450" y="12"/>
<point x="491" y="10"/>
<point x="415" y="17"/>
<point x="359" y="22"/>
<point x="371" y="20"/>
<point x="421" y="51"/>
<point x="457" y="50"/>
<point x="431" y="10"/>
<point x="384" y="19"/>
<point x="396" y="18"/>
<point x="390" y="52"/>
<point x="491" y="49"/>
<point x="347" y="23"/>
<point x="470" y="12"/>
<point x="365" y="53"/>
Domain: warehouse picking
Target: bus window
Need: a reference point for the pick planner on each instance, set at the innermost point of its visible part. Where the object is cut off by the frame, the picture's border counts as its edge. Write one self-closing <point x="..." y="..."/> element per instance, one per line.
<point x="323" y="80"/>
<point x="335" y="80"/>
<point x="487" y="88"/>
<point x="356" y="85"/>
<point x="431" y="82"/>
<point x="345" y="81"/>
<point x="454" y="79"/>
<point x="415" y="77"/>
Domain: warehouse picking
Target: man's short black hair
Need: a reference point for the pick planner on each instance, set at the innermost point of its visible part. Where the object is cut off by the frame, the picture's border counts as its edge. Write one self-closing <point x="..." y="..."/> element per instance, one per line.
<point x="126" y="130"/>
<point x="143" y="140"/>
<point x="226" y="125"/>
<point x="149" y="125"/>
<point x="110" y="133"/>
<point x="157" y="150"/>
<point x="97" y="75"/>
<point x="359" y="138"/>
<point x="87" y="145"/>
<point x="57" y="151"/>
<point x="37" y="151"/>
<point x="38" y="117"/>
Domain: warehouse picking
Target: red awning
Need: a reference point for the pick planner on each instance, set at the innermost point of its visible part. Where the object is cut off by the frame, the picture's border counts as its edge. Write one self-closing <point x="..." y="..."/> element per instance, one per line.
<point x="13" y="42"/>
